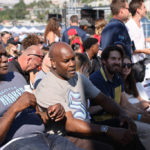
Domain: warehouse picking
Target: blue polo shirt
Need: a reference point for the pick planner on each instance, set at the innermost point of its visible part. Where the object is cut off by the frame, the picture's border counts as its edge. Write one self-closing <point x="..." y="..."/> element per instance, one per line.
<point x="115" y="33"/>
<point x="112" y="88"/>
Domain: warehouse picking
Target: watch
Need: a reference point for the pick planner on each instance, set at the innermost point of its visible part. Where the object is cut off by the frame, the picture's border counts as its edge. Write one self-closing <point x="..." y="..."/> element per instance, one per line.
<point x="104" y="129"/>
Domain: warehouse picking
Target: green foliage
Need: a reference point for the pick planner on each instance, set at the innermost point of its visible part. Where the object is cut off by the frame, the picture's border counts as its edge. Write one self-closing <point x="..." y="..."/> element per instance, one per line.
<point x="86" y="1"/>
<point x="18" y="12"/>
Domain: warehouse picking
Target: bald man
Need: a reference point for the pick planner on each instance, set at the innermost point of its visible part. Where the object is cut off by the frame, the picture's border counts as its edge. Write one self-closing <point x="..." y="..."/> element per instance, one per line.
<point x="20" y="126"/>
<point x="63" y="85"/>
<point x="29" y="60"/>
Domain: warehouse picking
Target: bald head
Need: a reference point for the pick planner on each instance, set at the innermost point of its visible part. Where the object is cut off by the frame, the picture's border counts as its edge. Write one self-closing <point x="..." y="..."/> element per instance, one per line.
<point x="56" y="49"/>
<point x="62" y="60"/>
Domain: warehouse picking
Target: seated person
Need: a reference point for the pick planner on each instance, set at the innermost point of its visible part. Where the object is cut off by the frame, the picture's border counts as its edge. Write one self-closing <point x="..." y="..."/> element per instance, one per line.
<point x="130" y="85"/>
<point x="63" y="85"/>
<point x="29" y="60"/>
<point x="20" y="126"/>
<point x="82" y="64"/>
<point x="91" y="46"/>
<point x="109" y="81"/>
<point x="44" y="69"/>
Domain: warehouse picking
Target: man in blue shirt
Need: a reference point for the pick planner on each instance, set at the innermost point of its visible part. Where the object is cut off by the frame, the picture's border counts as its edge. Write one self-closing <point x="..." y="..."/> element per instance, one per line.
<point x="74" y="24"/>
<point x="115" y="32"/>
<point x="108" y="80"/>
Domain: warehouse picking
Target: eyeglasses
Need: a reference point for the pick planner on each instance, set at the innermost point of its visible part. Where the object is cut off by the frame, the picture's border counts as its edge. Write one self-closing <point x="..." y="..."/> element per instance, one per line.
<point x="40" y="56"/>
<point x="129" y="65"/>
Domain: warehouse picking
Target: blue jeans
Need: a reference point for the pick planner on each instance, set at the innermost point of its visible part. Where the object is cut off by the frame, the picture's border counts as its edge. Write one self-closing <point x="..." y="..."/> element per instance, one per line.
<point x="40" y="142"/>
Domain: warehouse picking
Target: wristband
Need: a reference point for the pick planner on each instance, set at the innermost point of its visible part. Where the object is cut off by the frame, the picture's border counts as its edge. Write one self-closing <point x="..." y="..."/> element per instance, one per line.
<point x="139" y="117"/>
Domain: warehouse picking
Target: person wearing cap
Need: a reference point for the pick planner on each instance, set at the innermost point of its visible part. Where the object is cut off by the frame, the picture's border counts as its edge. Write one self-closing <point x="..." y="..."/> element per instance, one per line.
<point x="74" y="25"/>
<point x="84" y="24"/>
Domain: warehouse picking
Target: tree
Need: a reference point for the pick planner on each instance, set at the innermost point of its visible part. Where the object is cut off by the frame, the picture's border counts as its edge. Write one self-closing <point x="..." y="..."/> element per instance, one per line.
<point x="20" y="10"/>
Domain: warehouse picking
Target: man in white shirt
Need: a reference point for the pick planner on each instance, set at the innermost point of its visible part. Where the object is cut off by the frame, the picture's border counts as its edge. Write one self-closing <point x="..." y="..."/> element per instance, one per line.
<point x="138" y="11"/>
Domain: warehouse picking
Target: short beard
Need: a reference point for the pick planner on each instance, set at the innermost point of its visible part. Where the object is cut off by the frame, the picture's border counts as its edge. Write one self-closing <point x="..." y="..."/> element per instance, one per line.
<point x="112" y="71"/>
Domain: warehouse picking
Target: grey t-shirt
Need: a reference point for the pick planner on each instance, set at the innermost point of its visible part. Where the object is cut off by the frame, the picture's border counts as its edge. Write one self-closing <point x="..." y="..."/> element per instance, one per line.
<point x="71" y="94"/>
<point x="26" y="122"/>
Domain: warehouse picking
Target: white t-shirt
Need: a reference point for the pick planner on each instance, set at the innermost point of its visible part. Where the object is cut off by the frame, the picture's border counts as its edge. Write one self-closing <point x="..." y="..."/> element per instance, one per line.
<point x="137" y="36"/>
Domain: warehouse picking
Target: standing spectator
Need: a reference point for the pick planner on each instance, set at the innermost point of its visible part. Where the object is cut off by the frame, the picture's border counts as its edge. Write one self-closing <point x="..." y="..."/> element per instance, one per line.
<point x="74" y="25"/>
<point x="52" y="31"/>
<point x="99" y="26"/>
<point x="115" y="32"/>
<point x="5" y="36"/>
<point x="75" y="39"/>
<point x="84" y="25"/>
<point x="134" y="26"/>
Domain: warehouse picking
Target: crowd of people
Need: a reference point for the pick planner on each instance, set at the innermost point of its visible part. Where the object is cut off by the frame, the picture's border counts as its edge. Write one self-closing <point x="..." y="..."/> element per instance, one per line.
<point x="74" y="91"/>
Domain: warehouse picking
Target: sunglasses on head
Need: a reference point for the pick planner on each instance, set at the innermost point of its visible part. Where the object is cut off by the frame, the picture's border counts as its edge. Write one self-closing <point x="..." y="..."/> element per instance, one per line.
<point x="129" y="65"/>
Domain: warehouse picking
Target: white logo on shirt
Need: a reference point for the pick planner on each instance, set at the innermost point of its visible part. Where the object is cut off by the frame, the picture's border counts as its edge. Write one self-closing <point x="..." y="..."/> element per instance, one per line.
<point x="75" y="102"/>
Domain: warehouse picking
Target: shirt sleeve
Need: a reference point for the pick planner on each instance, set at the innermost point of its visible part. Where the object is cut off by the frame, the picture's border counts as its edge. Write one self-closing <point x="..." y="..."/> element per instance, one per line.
<point x="90" y="90"/>
<point x="65" y="37"/>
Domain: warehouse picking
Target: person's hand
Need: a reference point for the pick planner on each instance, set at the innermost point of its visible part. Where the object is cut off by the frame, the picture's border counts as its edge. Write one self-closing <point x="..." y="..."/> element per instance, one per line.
<point x="24" y="101"/>
<point x="124" y="119"/>
<point x="144" y="105"/>
<point x="56" y="112"/>
<point x="121" y="135"/>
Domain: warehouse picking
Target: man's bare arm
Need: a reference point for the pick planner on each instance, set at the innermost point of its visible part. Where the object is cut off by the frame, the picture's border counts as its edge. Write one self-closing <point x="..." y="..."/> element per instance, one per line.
<point x="23" y="102"/>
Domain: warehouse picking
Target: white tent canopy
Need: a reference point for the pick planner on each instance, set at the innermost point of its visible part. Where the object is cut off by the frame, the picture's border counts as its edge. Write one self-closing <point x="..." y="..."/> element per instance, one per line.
<point x="23" y="29"/>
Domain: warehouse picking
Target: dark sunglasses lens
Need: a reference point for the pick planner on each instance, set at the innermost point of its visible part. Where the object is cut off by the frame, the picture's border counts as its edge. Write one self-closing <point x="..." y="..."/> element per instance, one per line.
<point x="123" y="65"/>
<point x="128" y="65"/>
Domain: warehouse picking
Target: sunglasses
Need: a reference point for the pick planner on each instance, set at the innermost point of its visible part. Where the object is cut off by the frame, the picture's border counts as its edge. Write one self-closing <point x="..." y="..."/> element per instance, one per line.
<point x="128" y="65"/>
<point x="40" y="56"/>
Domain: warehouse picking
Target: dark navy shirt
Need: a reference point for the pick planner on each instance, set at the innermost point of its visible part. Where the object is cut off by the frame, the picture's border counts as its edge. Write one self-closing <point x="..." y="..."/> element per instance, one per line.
<point x="14" y="66"/>
<point x="112" y="88"/>
<point x="80" y="33"/>
<point x="115" y="33"/>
